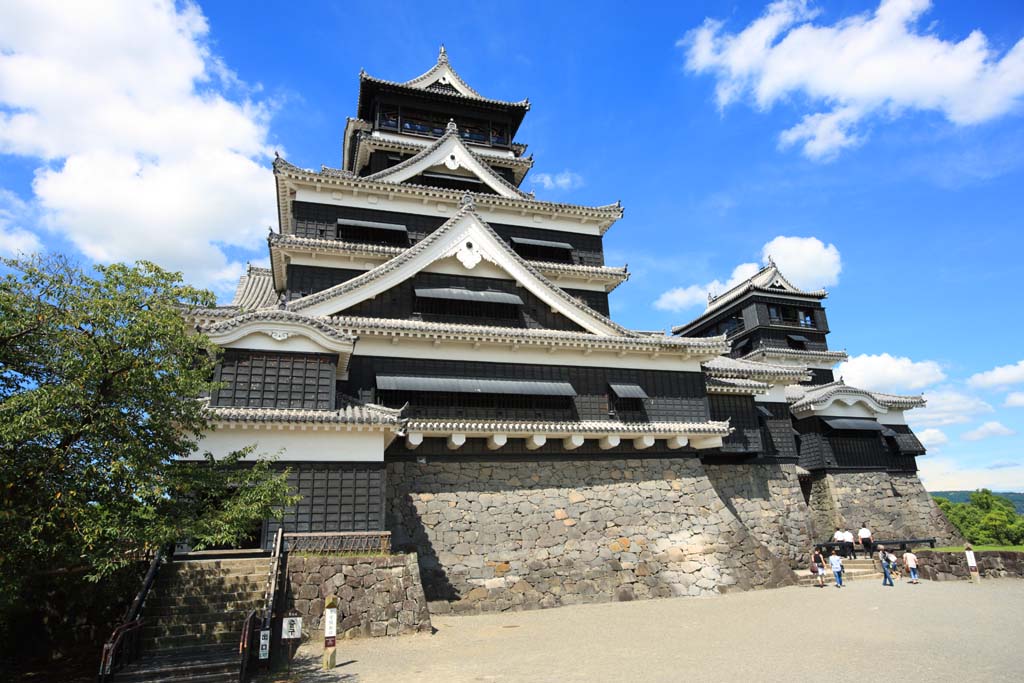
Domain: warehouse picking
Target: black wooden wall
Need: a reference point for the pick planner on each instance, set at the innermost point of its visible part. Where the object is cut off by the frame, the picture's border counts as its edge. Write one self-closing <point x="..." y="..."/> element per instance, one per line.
<point x="262" y="379"/>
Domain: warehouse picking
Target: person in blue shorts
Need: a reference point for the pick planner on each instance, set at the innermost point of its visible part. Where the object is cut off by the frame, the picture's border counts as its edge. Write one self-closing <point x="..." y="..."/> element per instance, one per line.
<point x="836" y="563"/>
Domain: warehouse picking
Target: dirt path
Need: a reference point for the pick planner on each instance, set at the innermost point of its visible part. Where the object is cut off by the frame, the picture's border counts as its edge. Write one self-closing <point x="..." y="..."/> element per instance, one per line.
<point x="932" y="632"/>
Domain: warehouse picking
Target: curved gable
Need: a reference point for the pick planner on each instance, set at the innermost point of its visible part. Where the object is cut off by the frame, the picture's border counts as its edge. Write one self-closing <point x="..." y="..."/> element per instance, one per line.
<point x="468" y="238"/>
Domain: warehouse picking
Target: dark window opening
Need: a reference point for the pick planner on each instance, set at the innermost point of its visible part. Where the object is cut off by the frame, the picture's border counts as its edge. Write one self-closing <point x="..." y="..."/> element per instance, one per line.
<point x="791" y="315"/>
<point x="428" y="405"/>
<point x="452" y="182"/>
<point x="499" y="308"/>
<point x="371" y="232"/>
<point x="413" y="121"/>
<point x="543" y="250"/>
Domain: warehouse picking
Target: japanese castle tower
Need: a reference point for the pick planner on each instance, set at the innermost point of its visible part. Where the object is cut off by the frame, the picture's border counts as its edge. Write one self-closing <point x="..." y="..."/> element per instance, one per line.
<point x="430" y="353"/>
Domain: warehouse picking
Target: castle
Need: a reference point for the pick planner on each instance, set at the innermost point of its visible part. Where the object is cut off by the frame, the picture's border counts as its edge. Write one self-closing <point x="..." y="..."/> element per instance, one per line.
<point x="431" y="354"/>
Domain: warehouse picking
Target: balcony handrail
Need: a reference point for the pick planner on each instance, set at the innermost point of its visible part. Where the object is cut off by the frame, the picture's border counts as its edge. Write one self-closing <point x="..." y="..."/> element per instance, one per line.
<point x="327" y="542"/>
<point x="123" y="644"/>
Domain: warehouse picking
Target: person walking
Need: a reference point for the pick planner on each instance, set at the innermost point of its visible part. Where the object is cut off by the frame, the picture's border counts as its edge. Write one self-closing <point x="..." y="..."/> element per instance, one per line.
<point x="840" y="538"/>
<point x="850" y="547"/>
<point x="836" y="563"/>
<point x="865" y="538"/>
<point x="884" y="559"/>
<point x="818" y="566"/>
<point x="910" y="562"/>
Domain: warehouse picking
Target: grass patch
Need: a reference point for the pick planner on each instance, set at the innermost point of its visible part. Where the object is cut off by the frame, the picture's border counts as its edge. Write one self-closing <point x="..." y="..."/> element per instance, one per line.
<point x="977" y="549"/>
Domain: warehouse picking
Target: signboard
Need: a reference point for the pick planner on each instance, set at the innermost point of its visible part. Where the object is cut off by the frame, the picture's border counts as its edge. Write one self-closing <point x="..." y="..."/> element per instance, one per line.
<point x="971" y="562"/>
<point x="291" y="628"/>
<point x="264" y="644"/>
<point x="330" y="626"/>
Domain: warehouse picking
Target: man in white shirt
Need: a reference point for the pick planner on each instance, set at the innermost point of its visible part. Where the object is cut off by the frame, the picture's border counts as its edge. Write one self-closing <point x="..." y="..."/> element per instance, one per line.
<point x="848" y="540"/>
<point x="837" y="537"/>
<point x="865" y="538"/>
<point x="910" y="562"/>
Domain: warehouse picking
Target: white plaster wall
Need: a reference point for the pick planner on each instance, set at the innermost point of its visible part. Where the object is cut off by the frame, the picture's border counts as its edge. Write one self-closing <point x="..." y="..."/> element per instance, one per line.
<point x="322" y="445"/>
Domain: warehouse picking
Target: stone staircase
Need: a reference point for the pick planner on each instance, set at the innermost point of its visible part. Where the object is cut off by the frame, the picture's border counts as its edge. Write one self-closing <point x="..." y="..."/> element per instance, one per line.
<point x="861" y="569"/>
<point x="193" y="620"/>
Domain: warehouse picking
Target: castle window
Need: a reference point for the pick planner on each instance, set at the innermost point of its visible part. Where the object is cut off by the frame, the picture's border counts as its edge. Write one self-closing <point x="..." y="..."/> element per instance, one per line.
<point x="543" y="250"/>
<point x="458" y="304"/>
<point x="372" y="232"/>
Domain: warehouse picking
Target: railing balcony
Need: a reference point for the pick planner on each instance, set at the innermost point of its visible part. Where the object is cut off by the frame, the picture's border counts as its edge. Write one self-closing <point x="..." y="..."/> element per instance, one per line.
<point x="805" y="323"/>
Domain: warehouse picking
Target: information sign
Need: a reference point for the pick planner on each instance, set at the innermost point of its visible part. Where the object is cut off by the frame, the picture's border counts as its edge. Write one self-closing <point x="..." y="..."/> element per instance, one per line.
<point x="264" y="644"/>
<point x="291" y="628"/>
<point x="330" y="626"/>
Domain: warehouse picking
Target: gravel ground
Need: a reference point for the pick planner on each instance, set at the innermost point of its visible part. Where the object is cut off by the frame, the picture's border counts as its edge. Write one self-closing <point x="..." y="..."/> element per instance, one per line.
<point x="930" y="631"/>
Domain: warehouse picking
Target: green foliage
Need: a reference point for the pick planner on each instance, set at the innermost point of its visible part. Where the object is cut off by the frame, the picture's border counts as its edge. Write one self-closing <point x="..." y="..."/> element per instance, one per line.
<point x="99" y="385"/>
<point x="987" y="519"/>
<point x="964" y="496"/>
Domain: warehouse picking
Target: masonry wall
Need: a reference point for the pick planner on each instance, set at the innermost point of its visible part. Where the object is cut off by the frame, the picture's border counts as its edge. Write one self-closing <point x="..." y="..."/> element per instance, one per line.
<point x="894" y="505"/>
<point x="377" y="596"/>
<point x="953" y="566"/>
<point x="496" y="535"/>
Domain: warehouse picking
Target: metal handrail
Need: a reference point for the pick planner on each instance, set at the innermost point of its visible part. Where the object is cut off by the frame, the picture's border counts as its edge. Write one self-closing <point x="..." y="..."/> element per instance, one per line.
<point x="123" y="644"/>
<point x="255" y="620"/>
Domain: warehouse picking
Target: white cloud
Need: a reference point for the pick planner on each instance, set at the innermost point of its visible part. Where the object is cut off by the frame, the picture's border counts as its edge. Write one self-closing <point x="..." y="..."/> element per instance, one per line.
<point x="949" y="474"/>
<point x="1003" y="375"/>
<point x="932" y="438"/>
<point x="884" y="372"/>
<point x="148" y="147"/>
<point x="805" y="261"/>
<point x="948" y="406"/>
<point x="14" y="239"/>
<point x="987" y="431"/>
<point x="1014" y="399"/>
<point x="566" y="180"/>
<point x="681" y="298"/>
<point x="873" y="64"/>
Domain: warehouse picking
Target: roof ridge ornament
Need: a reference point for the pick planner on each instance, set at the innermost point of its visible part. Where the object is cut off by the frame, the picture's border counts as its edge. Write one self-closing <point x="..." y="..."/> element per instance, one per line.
<point x="467" y="201"/>
<point x="771" y="261"/>
<point x="451" y="126"/>
<point x="442" y="55"/>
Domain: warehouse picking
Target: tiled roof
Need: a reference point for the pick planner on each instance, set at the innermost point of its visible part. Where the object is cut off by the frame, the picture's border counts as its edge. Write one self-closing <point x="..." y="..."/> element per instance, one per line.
<point x="709" y="428"/>
<point x="451" y="135"/>
<point x="724" y="366"/>
<point x="797" y="354"/>
<point x="806" y="396"/>
<point x="443" y="68"/>
<point x="768" y="280"/>
<point x="352" y="413"/>
<point x="731" y="385"/>
<point x="367" y="138"/>
<point x="331" y="246"/>
<point x="526" y="336"/>
<point x="271" y="315"/>
<point x="255" y="289"/>
<point x="423" y="245"/>
<point x="606" y="214"/>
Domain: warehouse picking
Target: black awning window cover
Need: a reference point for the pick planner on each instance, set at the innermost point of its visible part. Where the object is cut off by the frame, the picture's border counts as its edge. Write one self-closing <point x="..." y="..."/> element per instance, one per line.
<point x="373" y="225"/>
<point x="461" y="294"/>
<point x="542" y="243"/>
<point x="465" y="385"/>
<point x="798" y="338"/>
<point x="888" y="432"/>
<point x="852" y="423"/>
<point x="628" y="390"/>
<point x="764" y="411"/>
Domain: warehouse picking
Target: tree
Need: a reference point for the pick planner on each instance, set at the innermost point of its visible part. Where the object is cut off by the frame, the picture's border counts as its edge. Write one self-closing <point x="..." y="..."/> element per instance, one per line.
<point x="987" y="519"/>
<point x="99" y="385"/>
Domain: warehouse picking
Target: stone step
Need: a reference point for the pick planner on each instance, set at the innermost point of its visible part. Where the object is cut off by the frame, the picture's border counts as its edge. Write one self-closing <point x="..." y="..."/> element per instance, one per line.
<point x="158" y="601"/>
<point x="207" y="589"/>
<point x="160" y="629"/>
<point x="200" y="607"/>
<point x="201" y="570"/>
<point x="192" y="640"/>
<point x="208" y="664"/>
<point x="188" y="579"/>
<point x="807" y="580"/>
<point x="189" y="618"/>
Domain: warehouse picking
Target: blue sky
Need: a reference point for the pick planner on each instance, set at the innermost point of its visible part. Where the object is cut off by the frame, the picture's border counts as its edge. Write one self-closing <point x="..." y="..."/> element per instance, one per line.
<point x="887" y="138"/>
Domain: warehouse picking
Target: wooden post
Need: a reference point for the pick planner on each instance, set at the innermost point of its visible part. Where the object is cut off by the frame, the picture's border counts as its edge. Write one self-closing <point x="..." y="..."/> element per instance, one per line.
<point x="330" y="621"/>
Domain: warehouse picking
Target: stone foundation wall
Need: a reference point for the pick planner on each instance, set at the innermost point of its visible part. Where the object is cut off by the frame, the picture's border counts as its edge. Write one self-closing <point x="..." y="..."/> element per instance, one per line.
<point x="953" y="566"/>
<point x="767" y="500"/>
<point x="893" y="505"/>
<point x="378" y="596"/>
<point x="497" y="535"/>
